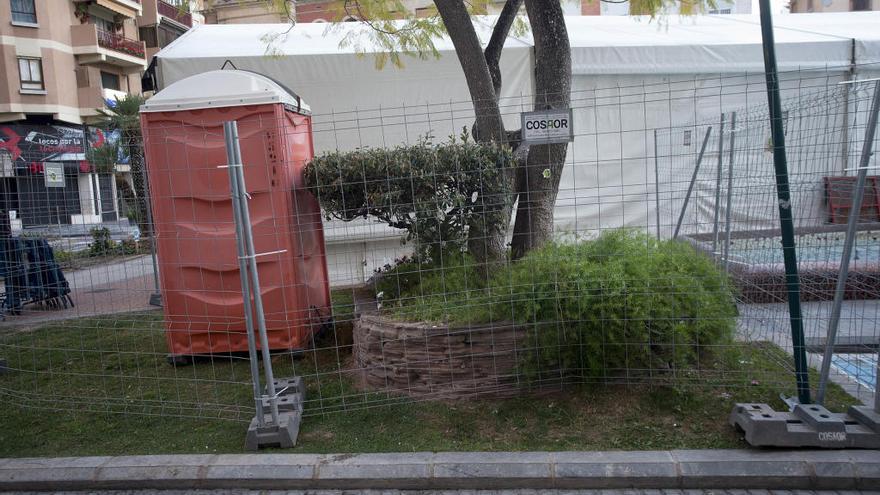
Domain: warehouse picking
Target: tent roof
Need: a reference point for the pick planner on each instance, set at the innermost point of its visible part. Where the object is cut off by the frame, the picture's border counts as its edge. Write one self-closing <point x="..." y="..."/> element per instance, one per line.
<point x="719" y="43"/>
<point x="254" y="40"/>
<point x="600" y="44"/>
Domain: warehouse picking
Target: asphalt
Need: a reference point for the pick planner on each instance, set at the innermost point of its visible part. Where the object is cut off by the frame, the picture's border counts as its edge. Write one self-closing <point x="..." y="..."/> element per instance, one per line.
<point x="616" y="470"/>
<point x="468" y="492"/>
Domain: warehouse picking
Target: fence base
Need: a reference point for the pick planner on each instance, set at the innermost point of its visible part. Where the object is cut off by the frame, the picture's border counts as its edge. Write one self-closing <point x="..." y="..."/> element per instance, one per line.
<point x="282" y="435"/>
<point x="291" y="396"/>
<point x="809" y="425"/>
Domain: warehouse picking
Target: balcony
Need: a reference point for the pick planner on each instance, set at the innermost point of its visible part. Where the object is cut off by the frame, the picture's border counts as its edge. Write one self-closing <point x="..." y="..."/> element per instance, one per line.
<point x="127" y="8"/>
<point x="174" y="13"/>
<point x="94" y="98"/>
<point x="94" y="46"/>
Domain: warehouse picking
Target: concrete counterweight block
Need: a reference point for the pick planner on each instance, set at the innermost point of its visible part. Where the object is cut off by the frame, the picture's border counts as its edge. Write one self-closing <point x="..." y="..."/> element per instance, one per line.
<point x="290" y="397"/>
<point x="808" y="425"/>
<point x="282" y="435"/>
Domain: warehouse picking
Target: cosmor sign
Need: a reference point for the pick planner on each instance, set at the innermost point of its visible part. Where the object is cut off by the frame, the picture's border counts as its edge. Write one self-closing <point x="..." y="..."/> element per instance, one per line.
<point x="547" y="126"/>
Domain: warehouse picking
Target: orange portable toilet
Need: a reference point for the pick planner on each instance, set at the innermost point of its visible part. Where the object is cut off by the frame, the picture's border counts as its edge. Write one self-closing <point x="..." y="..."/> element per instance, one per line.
<point x="193" y="217"/>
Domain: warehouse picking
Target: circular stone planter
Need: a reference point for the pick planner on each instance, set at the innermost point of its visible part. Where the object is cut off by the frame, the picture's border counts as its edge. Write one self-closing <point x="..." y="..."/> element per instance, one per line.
<point x="422" y="359"/>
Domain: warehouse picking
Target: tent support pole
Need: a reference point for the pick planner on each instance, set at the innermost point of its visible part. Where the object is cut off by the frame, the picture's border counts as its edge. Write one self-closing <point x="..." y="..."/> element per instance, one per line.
<point x="656" y="185"/>
<point x="729" y="191"/>
<point x="687" y="195"/>
<point x="718" y="176"/>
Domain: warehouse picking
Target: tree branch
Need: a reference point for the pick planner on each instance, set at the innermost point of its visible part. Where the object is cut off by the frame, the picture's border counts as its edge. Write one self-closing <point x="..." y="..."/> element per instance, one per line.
<point x="457" y="19"/>
<point x="496" y="42"/>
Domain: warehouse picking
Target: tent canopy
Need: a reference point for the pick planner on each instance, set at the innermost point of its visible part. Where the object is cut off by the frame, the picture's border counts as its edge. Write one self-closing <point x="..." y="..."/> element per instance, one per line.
<point x="719" y="44"/>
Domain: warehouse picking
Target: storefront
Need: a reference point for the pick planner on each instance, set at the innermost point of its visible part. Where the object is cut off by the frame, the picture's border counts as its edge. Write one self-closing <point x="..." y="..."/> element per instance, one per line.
<point x="48" y="178"/>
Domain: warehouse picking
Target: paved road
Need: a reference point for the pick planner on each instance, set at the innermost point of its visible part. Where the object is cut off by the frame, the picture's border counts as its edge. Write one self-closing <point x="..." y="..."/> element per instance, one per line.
<point x="116" y="287"/>
<point x="467" y="492"/>
<point x="770" y="322"/>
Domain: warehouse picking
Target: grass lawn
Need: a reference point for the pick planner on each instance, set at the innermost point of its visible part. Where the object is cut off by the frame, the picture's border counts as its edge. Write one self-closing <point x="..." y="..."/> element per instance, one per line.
<point x="91" y="366"/>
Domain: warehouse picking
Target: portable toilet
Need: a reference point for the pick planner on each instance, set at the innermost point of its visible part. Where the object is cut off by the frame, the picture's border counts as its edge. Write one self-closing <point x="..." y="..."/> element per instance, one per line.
<point x="193" y="222"/>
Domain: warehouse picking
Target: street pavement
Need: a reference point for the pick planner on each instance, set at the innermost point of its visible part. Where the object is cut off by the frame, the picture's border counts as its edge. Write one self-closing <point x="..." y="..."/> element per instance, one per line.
<point x="465" y="492"/>
<point x="117" y="287"/>
<point x="711" y="471"/>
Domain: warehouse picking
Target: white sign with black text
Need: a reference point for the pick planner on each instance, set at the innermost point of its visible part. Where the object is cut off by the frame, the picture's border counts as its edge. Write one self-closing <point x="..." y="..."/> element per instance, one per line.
<point x="547" y="126"/>
<point x="54" y="173"/>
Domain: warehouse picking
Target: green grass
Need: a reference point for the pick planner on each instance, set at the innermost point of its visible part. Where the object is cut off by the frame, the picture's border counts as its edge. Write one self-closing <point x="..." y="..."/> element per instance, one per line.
<point x="85" y="363"/>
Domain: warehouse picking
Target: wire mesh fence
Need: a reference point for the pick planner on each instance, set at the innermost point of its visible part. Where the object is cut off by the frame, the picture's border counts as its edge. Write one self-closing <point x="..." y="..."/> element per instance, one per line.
<point x="664" y="267"/>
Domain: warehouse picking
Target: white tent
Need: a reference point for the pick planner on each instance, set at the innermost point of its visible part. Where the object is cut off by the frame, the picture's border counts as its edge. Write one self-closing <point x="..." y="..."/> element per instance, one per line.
<point x="631" y="75"/>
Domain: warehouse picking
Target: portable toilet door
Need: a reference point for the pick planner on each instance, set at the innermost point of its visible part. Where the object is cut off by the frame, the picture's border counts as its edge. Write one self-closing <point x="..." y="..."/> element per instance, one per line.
<point x="190" y="196"/>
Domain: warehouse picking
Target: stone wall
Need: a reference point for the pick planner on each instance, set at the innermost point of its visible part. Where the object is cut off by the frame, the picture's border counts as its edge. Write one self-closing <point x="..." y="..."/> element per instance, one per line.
<point x="424" y="360"/>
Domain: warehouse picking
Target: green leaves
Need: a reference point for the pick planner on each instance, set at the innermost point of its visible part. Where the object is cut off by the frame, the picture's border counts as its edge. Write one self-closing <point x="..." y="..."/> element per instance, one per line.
<point x="437" y="193"/>
<point x="125" y="114"/>
<point x="621" y="303"/>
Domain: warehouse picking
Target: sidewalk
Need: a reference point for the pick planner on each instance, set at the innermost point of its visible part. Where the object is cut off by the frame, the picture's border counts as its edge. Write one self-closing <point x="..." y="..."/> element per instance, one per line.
<point x="677" y="469"/>
<point x="118" y="287"/>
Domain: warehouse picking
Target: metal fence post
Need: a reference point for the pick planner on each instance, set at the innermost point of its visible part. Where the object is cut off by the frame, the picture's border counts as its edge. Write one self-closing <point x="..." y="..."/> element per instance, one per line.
<point x="718" y="185"/>
<point x="783" y="193"/>
<point x="250" y="255"/>
<point x="729" y="191"/>
<point x="242" y="268"/>
<point x="687" y="195"/>
<point x="156" y="296"/>
<point x="852" y="221"/>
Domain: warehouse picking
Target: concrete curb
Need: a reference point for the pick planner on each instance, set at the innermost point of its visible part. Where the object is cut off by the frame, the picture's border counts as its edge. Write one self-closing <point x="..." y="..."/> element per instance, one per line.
<point x="729" y="469"/>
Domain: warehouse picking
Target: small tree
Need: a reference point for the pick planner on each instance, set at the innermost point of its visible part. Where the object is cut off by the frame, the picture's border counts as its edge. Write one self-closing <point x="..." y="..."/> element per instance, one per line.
<point x="124" y="115"/>
<point x="444" y="196"/>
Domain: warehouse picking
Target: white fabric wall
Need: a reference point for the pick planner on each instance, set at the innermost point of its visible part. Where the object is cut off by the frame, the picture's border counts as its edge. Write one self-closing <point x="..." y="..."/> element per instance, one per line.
<point x="609" y="179"/>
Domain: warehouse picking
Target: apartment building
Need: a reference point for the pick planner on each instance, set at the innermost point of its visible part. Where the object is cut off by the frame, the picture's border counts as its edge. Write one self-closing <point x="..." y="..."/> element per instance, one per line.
<point x="719" y="7"/>
<point x="248" y="11"/>
<point x="163" y="21"/>
<point x="335" y="10"/>
<point x="800" y="6"/>
<point x="62" y="61"/>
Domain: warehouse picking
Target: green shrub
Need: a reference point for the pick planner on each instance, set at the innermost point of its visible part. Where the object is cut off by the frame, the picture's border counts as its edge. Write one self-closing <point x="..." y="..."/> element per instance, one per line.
<point x="102" y="244"/>
<point x="436" y="193"/>
<point x="128" y="247"/>
<point x="595" y="308"/>
<point x="426" y="282"/>
<point x="62" y="256"/>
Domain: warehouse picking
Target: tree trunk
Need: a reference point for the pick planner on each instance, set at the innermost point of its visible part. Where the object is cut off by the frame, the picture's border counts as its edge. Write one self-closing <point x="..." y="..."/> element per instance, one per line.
<point x="496" y="42"/>
<point x="133" y="141"/>
<point x="537" y="183"/>
<point x="485" y="242"/>
<point x="489" y="126"/>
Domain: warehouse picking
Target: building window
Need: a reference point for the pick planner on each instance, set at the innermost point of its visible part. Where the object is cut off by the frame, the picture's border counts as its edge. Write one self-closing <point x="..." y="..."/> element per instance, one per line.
<point x="858" y="5"/>
<point x="109" y="80"/>
<point x="30" y="72"/>
<point x="687" y="138"/>
<point x="105" y="25"/>
<point x="720" y="11"/>
<point x="148" y="36"/>
<point x="24" y="11"/>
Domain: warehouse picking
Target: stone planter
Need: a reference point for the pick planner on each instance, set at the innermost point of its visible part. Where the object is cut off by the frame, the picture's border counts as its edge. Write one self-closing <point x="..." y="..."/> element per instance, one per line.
<point x="436" y="361"/>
